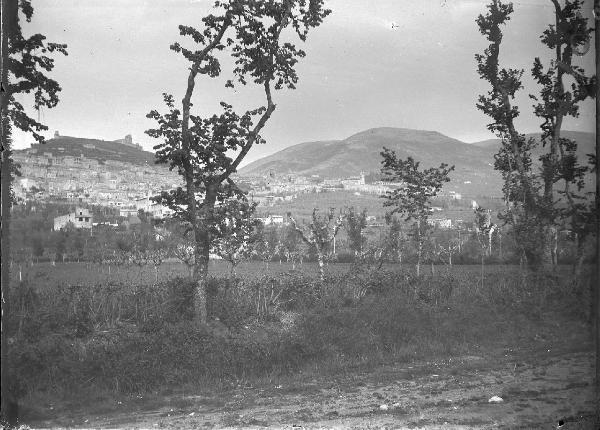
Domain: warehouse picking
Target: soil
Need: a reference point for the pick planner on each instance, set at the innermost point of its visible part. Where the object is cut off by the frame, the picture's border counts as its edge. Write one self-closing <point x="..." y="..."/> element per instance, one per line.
<point x="546" y="385"/>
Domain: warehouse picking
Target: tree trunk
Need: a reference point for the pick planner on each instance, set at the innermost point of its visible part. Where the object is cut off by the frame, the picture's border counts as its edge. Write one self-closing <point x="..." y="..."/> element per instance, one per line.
<point x="202" y="252"/>
<point x="419" y="253"/>
<point x="596" y="274"/>
<point x="200" y="275"/>
<point x="500" y="245"/>
<point x="482" y="267"/>
<point x="547" y="257"/>
<point x="321" y="265"/>
<point x="579" y="257"/>
<point x="9" y="399"/>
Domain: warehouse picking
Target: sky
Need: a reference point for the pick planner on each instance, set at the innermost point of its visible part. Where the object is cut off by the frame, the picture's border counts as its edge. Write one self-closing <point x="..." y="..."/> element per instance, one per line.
<point x="377" y="63"/>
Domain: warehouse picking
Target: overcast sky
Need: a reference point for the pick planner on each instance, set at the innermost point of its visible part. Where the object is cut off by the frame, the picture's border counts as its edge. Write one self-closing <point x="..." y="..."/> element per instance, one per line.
<point x="395" y="63"/>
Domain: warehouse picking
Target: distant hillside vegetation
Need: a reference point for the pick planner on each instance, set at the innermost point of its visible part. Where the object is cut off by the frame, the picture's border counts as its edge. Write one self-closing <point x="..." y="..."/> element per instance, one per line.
<point x="100" y="150"/>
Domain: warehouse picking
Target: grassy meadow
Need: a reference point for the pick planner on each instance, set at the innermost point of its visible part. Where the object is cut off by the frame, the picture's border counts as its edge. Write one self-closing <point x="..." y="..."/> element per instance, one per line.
<point x="81" y="335"/>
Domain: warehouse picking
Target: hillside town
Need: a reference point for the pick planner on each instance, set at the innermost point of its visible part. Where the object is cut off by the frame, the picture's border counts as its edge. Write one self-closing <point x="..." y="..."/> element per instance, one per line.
<point x="59" y="175"/>
<point x="44" y="175"/>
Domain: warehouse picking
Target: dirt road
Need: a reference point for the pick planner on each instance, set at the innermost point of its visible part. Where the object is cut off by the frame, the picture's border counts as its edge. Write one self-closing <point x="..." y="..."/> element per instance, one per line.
<point x="541" y="387"/>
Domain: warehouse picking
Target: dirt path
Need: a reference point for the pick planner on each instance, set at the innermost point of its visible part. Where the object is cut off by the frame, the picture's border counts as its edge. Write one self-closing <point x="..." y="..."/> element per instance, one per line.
<point x="539" y="388"/>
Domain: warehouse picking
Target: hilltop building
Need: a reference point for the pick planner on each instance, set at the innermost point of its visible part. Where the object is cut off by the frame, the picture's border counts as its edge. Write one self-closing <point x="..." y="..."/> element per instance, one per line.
<point x="81" y="218"/>
<point x="128" y="141"/>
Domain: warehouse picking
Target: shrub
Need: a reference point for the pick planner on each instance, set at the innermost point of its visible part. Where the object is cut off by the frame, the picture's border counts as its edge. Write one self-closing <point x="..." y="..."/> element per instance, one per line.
<point x="130" y="338"/>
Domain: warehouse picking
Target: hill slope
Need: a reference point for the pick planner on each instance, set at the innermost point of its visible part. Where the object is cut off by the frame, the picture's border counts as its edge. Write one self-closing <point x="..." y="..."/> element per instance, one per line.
<point x="100" y="150"/>
<point x="361" y="152"/>
<point x="343" y="158"/>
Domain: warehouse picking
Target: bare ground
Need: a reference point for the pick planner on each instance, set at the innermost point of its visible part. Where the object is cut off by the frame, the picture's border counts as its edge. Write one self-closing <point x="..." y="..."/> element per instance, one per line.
<point x="542" y="384"/>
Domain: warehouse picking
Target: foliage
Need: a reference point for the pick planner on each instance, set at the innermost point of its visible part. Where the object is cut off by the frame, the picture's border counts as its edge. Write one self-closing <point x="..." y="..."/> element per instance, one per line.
<point x="319" y="234"/>
<point x="533" y="207"/>
<point x="413" y="197"/>
<point x="134" y="339"/>
<point x="28" y="59"/>
<point x="207" y="151"/>
<point x="235" y="231"/>
<point x="291" y="245"/>
<point x="355" y="223"/>
<point x="266" y="243"/>
<point x="24" y="63"/>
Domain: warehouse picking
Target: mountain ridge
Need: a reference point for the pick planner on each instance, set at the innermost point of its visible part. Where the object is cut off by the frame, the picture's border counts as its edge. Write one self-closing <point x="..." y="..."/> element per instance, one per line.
<point x="474" y="172"/>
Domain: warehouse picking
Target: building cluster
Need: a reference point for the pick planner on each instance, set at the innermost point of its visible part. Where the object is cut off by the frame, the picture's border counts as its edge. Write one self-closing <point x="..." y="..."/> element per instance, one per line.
<point x="86" y="180"/>
<point x="272" y="189"/>
<point x="129" y="187"/>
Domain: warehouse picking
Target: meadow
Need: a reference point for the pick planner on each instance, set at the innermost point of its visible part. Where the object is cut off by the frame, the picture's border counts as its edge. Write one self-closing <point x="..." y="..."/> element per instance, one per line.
<point x="88" y="273"/>
<point x="82" y="337"/>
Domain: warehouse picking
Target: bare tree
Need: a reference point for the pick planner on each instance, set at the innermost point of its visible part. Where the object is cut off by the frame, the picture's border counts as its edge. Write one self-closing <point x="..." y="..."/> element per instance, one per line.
<point x="319" y="234"/>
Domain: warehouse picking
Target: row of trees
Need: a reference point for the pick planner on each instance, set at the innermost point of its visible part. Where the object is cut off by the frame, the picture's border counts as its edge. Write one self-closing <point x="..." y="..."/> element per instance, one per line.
<point x="330" y="237"/>
<point x="547" y="194"/>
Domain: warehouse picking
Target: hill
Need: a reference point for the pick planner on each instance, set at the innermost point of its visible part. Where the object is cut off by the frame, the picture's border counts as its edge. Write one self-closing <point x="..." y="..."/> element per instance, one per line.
<point x="100" y="150"/>
<point x="474" y="172"/>
<point x="473" y="175"/>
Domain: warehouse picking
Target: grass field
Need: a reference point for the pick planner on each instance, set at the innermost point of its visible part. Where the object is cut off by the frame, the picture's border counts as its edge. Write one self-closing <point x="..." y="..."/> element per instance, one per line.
<point x="87" y="273"/>
<point x="87" y="344"/>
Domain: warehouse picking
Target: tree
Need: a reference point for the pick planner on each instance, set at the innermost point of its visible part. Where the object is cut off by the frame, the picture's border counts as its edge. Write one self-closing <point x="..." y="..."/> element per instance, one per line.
<point x="156" y="256"/>
<point x="447" y="245"/>
<point x="413" y="198"/>
<point x="207" y="151"/>
<point x="233" y="243"/>
<point x="355" y="223"/>
<point x="319" y="234"/>
<point x="535" y="205"/>
<point x="395" y="239"/>
<point x="484" y="229"/>
<point x="291" y="245"/>
<point x="37" y="246"/>
<point x="24" y="61"/>
<point x="181" y="245"/>
<point x="60" y="245"/>
<point x="266" y="243"/>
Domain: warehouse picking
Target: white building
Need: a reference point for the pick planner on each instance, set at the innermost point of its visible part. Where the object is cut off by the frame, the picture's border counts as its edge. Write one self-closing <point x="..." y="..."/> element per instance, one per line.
<point x="81" y="218"/>
<point x="272" y="219"/>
